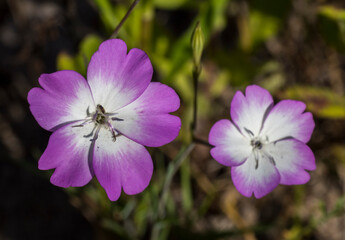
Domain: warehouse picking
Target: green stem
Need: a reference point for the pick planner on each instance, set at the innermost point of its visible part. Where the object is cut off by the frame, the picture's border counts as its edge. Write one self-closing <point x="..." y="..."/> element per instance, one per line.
<point x="172" y="169"/>
<point x="117" y="29"/>
<point x="196" y="73"/>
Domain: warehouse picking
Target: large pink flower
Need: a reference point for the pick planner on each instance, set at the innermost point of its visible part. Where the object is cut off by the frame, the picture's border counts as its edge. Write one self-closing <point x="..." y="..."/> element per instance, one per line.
<point x="100" y="126"/>
<point x="266" y="144"/>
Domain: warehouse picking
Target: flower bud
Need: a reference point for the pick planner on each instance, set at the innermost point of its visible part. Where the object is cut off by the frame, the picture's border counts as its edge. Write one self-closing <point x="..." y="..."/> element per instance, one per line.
<point x="197" y="43"/>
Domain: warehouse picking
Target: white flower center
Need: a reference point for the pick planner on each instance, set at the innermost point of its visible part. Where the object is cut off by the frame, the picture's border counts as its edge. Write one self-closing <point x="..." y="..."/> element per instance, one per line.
<point x="258" y="143"/>
<point x="101" y="119"/>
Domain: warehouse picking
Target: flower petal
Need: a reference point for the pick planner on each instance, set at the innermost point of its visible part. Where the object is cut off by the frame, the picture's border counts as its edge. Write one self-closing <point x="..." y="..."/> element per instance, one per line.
<point x="248" y="112"/>
<point x="117" y="79"/>
<point x="261" y="180"/>
<point x="231" y="147"/>
<point x="68" y="152"/>
<point x="286" y="119"/>
<point x="146" y="120"/>
<point x="292" y="157"/>
<point x="65" y="97"/>
<point x="121" y="163"/>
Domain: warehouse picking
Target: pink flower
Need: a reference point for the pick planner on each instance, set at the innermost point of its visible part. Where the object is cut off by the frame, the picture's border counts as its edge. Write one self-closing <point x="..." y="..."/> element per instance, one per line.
<point x="100" y="126"/>
<point x="265" y="145"/>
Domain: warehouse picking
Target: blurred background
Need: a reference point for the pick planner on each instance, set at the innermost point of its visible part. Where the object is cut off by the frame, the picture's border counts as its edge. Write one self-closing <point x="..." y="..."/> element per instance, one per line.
<point x="294" y="48"/>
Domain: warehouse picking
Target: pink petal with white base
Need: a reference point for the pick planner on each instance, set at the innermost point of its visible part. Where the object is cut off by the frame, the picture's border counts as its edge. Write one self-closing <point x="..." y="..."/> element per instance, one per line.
<point x="286" y="119"/>
<point x="251" y="177"/>
<point x="248" y="112"/>
<point x="68" y="152"/>
<point x="65" y="97"/>
<point x="231" y="147"/>
<point x="292" y="158"/>
<point x="123" y="163"/>
<point x="117" y="78"/>
<point x="147" y="119"/>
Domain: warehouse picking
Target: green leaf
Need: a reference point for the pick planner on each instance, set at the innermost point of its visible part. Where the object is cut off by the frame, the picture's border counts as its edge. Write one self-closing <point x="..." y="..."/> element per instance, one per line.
<point x="212" y="18"/>
<point x="169" y="4"/>
<point x="257" y="29"/>
<point x="108" y="17"/>
<point x="186" y="188"/>
<point x="66" y="62"/>
<point x="338" y="152"/>
<point x="322" y="102"/>
<point x="87" y="48"/>
<point x="332" y="26"/>
<point x="89" y="45"/>
<point x="264" y="21"/>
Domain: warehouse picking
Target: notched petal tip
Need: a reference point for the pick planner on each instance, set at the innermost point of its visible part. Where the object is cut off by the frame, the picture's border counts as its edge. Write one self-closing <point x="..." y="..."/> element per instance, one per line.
<point x="250" y="110"/>
<point x="111" y="43"/>
<point x="293" y="158"/>
<point x="217" y="132"/>
<point x="116" y="77"/>
<point x="63" y="98"/>
<point x="231" y="147"/>
<point x="148" y="121"/>
<point x="288" y="119"/>
<point x="112" y="195"/>
<point x="262" y="180"/>
<point x="124" y="165"/>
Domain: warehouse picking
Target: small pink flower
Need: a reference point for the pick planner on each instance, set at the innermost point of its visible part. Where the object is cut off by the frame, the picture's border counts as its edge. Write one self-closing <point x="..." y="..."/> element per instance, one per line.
<point x="266" y="144"/>
<point x="100" y="126"/>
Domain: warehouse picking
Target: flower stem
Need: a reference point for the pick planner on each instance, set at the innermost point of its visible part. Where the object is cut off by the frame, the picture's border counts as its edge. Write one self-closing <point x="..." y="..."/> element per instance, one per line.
<point x="196" y="73"/>
<point x="117" y="29"/>
<point x="201" y="141"/>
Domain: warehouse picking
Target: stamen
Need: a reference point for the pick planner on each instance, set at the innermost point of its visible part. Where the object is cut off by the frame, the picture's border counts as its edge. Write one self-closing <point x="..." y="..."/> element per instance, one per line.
<point x="270" y="158"/>
<point x="110" y="114"/>
<point x="83" y="123"/>
<point x="100" y="109"/>
<point x="256" y="157"/>
<point x="88" y="111"/>
<point x="249" y="132"/>
<point x="116" y="119"/>
<point x="101" y="119"/>
<point x="96" y="134"/>
<point x="91" y="133"/>
<point x="113" y="133"/>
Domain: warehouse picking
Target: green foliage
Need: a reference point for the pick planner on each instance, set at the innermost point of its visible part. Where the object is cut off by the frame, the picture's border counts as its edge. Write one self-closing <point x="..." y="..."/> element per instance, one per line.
<point x="332" y="26"/>
<point x="79" y="63"/>
<point x="321" y="102"/>
<point x="169" y="5"/>
<point x="263" y="22"/>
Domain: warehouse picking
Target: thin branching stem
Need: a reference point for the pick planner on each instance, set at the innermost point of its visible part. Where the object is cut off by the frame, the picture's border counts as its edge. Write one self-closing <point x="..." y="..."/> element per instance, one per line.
<point x="201" y="141"/>
<point x="117" y="29"/>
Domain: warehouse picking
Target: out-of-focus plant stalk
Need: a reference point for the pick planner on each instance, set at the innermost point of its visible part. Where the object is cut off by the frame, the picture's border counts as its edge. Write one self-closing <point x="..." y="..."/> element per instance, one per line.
<point x="117" y="29"/>
<point x="172" y="169"/>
